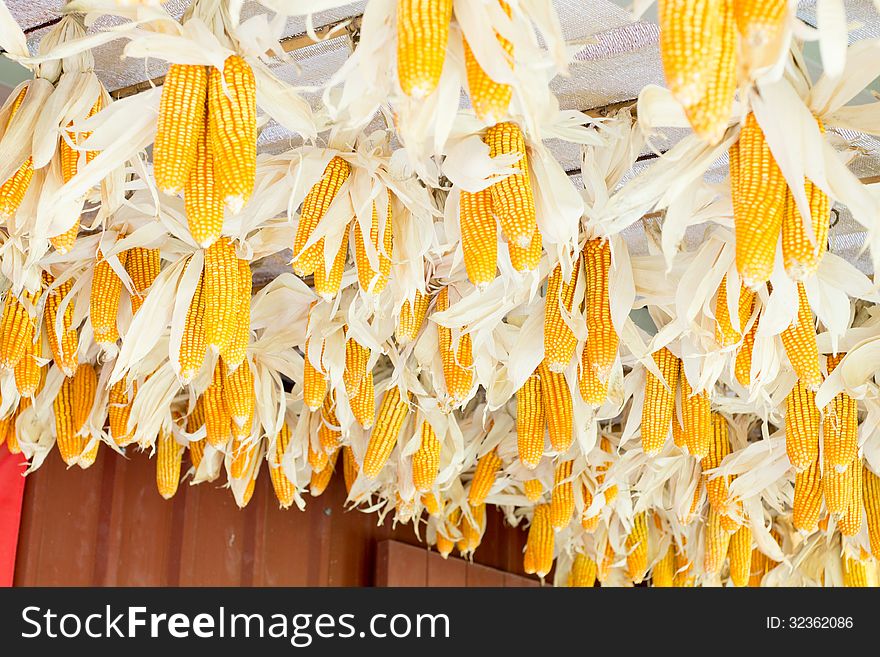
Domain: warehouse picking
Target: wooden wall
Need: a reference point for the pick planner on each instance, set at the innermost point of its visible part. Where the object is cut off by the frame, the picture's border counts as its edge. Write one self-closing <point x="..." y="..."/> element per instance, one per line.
<point x="107" y="526"/>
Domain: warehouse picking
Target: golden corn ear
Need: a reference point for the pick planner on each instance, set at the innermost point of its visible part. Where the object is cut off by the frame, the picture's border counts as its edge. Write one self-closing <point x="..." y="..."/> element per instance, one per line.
<point x="218" y="423"/>
<point x="801" y="254"/>
<point x="637" y="548"/>
<point x="432" y="504"/>
<point x="16" y="328"/>
<point x="663" y="573"/>
<point x="600" y="350"/>
<point x="363" y="404"/>
<point x="526" y="258"/>
<point x="89" y="454"/>
<point x="871" y="500"/>
<point x="329" y="433"/>
<point x="422" y="35"/>
<point x="315" y="205"/>
<point x="696" y="416"/>
<point x="588" y="523"/>
<point x="583" y="571"/>
<point x="383" y="438"/>
<point x="530" y="421"/>
<point x="203" y="201"/>
<point x="13" y="189"/>
<point x="850" y="523"/>
<point x="472" y="532"/>
<point x="104" y="300"/>
<point x="799" y="341"/>
<point x="350" y="467"/>
<point x="64" y="350"/>
<point x="726" y="334"/>
<point x="512" y="198"/>
<point x="328" y="281"/>
<point x="743" y="363"/>
<point x="232" y="129"/>
<point x="855" y="572"/>
<point x="740" y="553"/>
<point x="484" y="477"/>
<point x="490" y="99"/>
<point x="840" y="440"/>
<point x="193" y="342"/>
<point x="221" y="293"/>
<point x="197" y="452"/>
<point x="181" y="125"/>
<point x="63" y="242"/>
<point x="236" y="350"/>
<point x="558" y="409"/>
<point x="426" y="459"/>
<point x="356" y="359"/>
<point x="320" y="480"/>
<point x="698" y="48"/>
<point x="562" y="497"/>
<point x="119" y="410"/>
<point x="314" y="380"/>
<point x="72" y="407"/>
<point x="28" y="371"/>
<point x="143" y="266"/>
<point x="69" y="156"/>
<point x="533" y="489"/>
<point x="370" y="281"/>
<point x="684" y="576"/>
<point x="760" y="26"/>
<point x="807" y="498"/>
<point x="801" y="426"/>
<point x="659" y="404"/>
<point x="240" y="399"/>
<point x="249" y="489"/>
<point x="559" y="340"/>
<point x="717" y="487"/>
<point x="169" y="456"/>
<point x="608" y="559"/>
<point x="758" y="190"/>
<point x="458" y="360"/>
<point x="538" y="558"/>
<point x="717" y="542"/>
<point x="479" y="236"/>
<point x="412" y="318"/>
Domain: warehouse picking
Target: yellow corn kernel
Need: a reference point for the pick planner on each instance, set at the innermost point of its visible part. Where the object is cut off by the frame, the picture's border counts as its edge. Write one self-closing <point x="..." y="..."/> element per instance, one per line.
<point x="203" y="202"/>
<point x="871" y="501"/>
<point x="801" y="426"/>
<point x="743" y="363"/>
<point x="181" y="125"/>
<point x="583" y="571"/>
<point x="63" y="242"/>
<point x="72" y="407"/>
<point x="422" y="35"/>
<point x="484" y="477"/>
<point x="193" y="344"/>
<point x="840" y="440"/>
<point x="663" y="573"/>
<point x="726" y="334"/>
<point x="314" y="380"/>
<point x="119" y="410"/>
<point x="104" y="300"/>
<point x="13" y="189"/>
<point x="249" y="489"/>
<point x="329" y="433"/>
<point x="850" y="522"/>
<point x="717" y="487"/>
<point x="533" y="489"/>
<point x="383" y="438"/>
<point x="412" y="318"/>
<point x="197" y="452"/>
<point x="740" y="552"/>
<point x="28" y="371"/>
<point x="16" y="328"/>
<point x="328" y="281"/>
<point x="562" y="497"/>
<point x="350" y="467"/>
<point x="530" y="422"/>
<point x="426" y="459"/>
<point x="538" y="558"/>
<point x="855" y="572"/>
<point x="320" y="480"/>
<point x="432" y="504"/>
<point x="232" y="129"/>
<point x="717" y="541"/>
<point x="370" y="281"/>
<point x="807" y="498"/>
<point x="479" y="236"/>
<point x="697" y="418"/>
<point x="356" y="358"/>
<point x="240" y="398"/>
<point x="659" y="404"/>
<point x="169" y="456"/>
<point x="89" y="454"/>
<point x="64" y="350"/>
<point x="236" y="351"/>
<point x="490" y="99"/>
<point x="363" y="404"/>
<point x="760" y="25"/>
<point x="758" y="189"/>
<point x="799" y="341"/>
<point x="472" y="533"/>
<point x="315" y="205"/>
<point x="526" y="258"/>
<point x="218" y="422"/>
<point x="637" y="548"/>
<point x="221" y="293"/>
<point x="458" y="360"/>
<point x="559" y="340"/>
<point x="558" y="409"/>
<point x="512" y="198"/>
<point x="143" y="266"/>
<point x="600" y="350"/>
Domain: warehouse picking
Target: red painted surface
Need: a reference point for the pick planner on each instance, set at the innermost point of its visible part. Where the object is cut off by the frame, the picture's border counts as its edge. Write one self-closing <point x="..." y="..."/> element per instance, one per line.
<point x="11" y="494"/>
<point x="107" y="526"/>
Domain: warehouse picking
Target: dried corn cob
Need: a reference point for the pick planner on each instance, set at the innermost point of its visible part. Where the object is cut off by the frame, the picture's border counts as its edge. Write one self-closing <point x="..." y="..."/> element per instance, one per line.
<point x="203" y="195"/>
<point x="104" y="299"/>
<point x="697" y="418"/>
<point x="840" y="426"/>
<point x="218" y="422"/>
<point x="236" y="350"/>
<point x="726" y="334"/>
<point x="458" y="360"/>
<point x="426" y="459"/>
<point x="512" y="198"/>
<point x="422" y="35"/>
<point x="659" y="403"/>
<point x="412" y="317"/>
<point x="315" y="205"/>
<point x="717" y="541"/>
<point x="743" y="363"/>
<point x="484" y="477"/>
<point x="663" y="573"/>
<point x="370" y="281"/>
<point x="871" y="500"/>
<point x="72" y="407"/>
<point x="538" y="558"/>
<point x="64" y="350"/>
<point x="181" y="125"/>
<point x="239" y="398"/>
<point x="28" y="371"/>
<point x="143" y="266"/>
<point x="583" y="571"/>
<point x="193" y="343"/>
<point x="350" y="467"/>
<point x="16" y="328"/>
<point x="169" y="456"/>
<point x="562" y="497"/>
<point x="119" y="410"/>
<point x="801" y="426"/>
<point x="717" y="487"/>
<point x="329" y="433"/>
<point x="314" y="379"/>
<point x="740" y="553"/>
<point x="392" y="414"/>
<point x="600" y="350"/>
<point x="637" y="548"/>
<point x="850" y="523"/>
<point x="807" y="498"/>
<point x="558" y="410"/>
<point x="220" y="291"/>
<point x="320" y="480"/>
<point x="479" y="236"/>
<point x="530" y="421"/>
<point x="526" y="258"/>
<point x="559" y="340"/>
<point x="328" y="281"/>
<point x="799" y="341"/>
<point x="533" y="489"/>
<point x="13" y="189"/>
